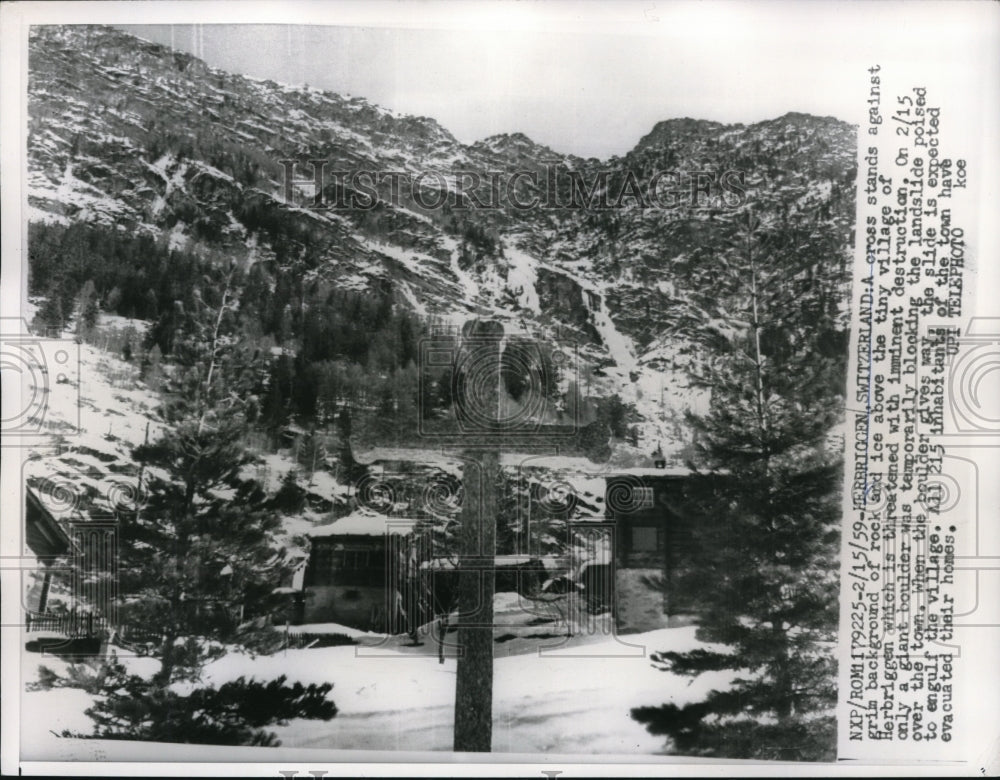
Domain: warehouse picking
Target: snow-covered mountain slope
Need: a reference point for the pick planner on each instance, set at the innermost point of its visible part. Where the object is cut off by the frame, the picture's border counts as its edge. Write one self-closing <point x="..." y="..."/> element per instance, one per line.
<point x="102" y="412"/>
<point x="130" y="134"/>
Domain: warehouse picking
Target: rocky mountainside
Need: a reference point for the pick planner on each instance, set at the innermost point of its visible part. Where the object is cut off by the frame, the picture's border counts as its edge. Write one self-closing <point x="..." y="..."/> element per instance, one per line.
<point x="131" y="135"/>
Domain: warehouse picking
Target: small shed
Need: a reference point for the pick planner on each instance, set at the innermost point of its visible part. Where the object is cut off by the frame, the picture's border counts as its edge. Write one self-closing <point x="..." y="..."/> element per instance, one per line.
<point x="353" y="570"/>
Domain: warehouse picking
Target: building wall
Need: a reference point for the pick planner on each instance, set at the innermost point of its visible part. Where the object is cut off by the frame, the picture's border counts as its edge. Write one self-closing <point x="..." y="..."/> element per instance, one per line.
<point x="358" y="606"/>
<point x="36" y="588"/>
<point x="639" y="601"/>
<point x="653" y="540"/>
<point x="346" y="582"/>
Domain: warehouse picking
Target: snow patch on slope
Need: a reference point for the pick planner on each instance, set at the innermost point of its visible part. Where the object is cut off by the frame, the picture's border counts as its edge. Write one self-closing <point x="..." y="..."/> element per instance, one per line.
<point x="620" y="346"/>
<point x="470" y="289"/>
<point x="411" y="299"/>
<point x="70" y="190"/>
<point x="522" y="275"/>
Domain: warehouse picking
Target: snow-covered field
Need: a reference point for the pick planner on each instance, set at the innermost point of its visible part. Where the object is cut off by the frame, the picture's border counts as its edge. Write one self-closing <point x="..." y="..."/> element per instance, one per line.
<point x="399" y="698"/>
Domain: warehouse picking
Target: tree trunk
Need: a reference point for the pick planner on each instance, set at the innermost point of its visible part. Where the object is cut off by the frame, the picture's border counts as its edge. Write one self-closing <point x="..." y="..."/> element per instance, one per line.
<point x="476" y="585"/>
<point x="214" y="348"/>
<point x="477" y="546"/>
<point x="167" y="653"/>
<point x="758" y="356"/>
<point x="783" y="682"/>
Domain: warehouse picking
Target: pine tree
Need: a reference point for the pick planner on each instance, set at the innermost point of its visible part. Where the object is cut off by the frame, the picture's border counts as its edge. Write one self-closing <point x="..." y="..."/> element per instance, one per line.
<point x="87" y="311"/>
<point x="50" y="319"/>
<point x="291" y="497"/>
<point x="233" y="714"/>
<point x="199" y="558"/>
<point x="345" y="454"/>
<point x="312" y="453"/>
<point x="766" y="533"/>
<point x="152" y="366"/>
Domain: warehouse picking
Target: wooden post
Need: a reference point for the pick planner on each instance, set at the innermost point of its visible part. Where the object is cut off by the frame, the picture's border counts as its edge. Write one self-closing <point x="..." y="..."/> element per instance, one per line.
<point x="477" y="548"/>
<point x="44" y="598"/>
<point x="476" y="585"/>
<point x="668" y="555"/>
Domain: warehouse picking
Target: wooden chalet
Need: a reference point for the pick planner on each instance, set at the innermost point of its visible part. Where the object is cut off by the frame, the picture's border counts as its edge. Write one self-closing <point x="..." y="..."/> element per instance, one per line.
<point x="353" y="570"/>
<point x="651" y="530"/>
<point x="75" y="562"/>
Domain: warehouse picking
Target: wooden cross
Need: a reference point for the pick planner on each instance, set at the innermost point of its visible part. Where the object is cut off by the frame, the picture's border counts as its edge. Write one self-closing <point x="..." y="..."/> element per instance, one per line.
<point x="481" y="433"/>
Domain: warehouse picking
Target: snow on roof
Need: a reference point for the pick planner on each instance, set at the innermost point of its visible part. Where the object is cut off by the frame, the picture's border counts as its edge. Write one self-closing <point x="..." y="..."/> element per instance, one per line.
<point x="543" y="461"/>
<point x="579" y="464"/>
<point x="365" y="524"/>
<point x="330" y="628"/>
<point x="549" y="562"/>
<point x="421" y="455"/>
<point x="587" y="467"/>
<point x="650" y="471"/>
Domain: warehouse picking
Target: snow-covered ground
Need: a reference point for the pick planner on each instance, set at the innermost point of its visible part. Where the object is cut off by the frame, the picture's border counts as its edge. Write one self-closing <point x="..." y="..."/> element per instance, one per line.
<point x="542" y="703"/>
<point x="392" y="697"/>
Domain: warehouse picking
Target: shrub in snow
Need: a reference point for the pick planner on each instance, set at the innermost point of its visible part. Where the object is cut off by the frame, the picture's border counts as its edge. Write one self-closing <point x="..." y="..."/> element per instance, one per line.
<point x="131" y="707"/>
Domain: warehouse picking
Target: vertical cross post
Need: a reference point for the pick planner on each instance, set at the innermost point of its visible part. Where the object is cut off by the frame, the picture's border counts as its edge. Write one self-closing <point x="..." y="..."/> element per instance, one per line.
<point x="488" y="424"/>
<point x="479" y="401"/>
<point x="476" y="585"/>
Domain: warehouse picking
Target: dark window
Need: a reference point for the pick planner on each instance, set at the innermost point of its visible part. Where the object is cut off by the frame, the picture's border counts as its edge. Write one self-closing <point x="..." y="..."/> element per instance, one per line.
<point x="321" y="566"/>
<point x="644" y="538"/>
<point x="346" y="564"/>
<point x="354" y="560"/>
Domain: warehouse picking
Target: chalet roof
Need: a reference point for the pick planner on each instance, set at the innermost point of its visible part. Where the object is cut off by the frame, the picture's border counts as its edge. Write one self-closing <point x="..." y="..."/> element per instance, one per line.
<point x="45" y="535"/>
<point x="364" y="523"/>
